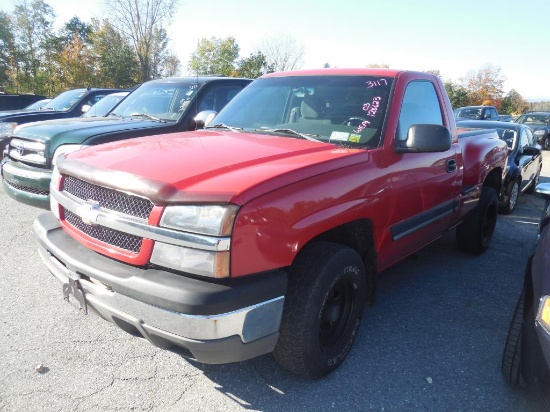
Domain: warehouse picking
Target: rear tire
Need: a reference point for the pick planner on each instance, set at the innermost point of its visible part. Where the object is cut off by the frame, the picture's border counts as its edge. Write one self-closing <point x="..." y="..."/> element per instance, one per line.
<point x="475" y="233"/>
<point x="322" y="310"/>
<point x="511" y="357"/>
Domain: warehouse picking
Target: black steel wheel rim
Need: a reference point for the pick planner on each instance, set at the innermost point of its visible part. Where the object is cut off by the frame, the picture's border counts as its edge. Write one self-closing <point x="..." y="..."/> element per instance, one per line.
<point x="338" y="314"/>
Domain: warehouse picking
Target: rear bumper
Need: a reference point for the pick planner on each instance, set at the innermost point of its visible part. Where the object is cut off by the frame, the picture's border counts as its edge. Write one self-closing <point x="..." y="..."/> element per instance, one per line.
<point x="27" y="184"/>
<point x="219" y="322"/>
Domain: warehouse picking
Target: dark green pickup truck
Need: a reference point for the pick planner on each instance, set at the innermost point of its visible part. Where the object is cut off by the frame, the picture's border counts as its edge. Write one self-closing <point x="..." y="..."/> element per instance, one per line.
<point x="156" y="107"/>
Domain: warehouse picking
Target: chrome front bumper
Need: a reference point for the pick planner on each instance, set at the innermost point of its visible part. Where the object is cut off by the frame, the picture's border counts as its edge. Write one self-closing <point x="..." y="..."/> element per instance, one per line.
<point x="235" y="335"/>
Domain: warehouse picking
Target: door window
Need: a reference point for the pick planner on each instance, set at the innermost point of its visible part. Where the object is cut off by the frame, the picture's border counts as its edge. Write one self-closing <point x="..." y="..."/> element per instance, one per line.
<point x="420" y="106"/>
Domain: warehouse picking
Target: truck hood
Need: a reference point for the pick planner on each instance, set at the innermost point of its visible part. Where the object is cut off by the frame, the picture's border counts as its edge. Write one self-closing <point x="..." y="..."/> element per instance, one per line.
<point x="78" y="130"/>
<point x="206" y="166"/>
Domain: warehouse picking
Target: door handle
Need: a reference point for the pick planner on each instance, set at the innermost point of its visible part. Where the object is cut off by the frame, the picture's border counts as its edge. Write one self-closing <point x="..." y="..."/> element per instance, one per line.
<point x="451" y="165"/>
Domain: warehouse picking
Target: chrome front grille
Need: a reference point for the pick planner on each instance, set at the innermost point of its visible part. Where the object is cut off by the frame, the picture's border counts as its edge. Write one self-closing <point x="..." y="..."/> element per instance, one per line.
<point x="104" y="234"/>
<point x="108" y="198"/>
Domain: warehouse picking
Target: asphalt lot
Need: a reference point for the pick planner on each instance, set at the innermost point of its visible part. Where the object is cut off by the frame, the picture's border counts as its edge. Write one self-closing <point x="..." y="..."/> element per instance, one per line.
<point x="433" y="342"/>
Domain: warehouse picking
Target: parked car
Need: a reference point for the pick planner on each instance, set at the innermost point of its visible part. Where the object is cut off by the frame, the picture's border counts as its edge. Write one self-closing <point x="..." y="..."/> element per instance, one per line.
<point x="477" y="113"/>
<point x="267" y="231"/>
<point x="38" y="104"/>
<point x="105" y="105"/>
<point x="66" y="105"/>
<point x="524" y="159"/>
<point x="159" y="106"/>
<point x="539" y="122"/>
<point x="526" y="357"/>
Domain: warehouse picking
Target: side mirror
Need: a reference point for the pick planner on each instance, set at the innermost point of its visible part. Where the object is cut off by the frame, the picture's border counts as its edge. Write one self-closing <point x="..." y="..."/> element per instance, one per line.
<point x="424" y="138"/>
<point x="531" y="151"/>
<point x="85" y="108"/>
<point x="202" y="119"/>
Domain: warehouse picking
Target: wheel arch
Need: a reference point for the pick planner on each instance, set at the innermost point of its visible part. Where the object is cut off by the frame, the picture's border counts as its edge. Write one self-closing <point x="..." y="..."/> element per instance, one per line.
<point x="358" y="235"/>
<point x="494" y="179"/>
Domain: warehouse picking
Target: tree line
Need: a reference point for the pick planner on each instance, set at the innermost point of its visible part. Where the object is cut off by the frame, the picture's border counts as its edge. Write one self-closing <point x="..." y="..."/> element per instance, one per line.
<point x="128" y="48"/>
<point x="131" y="47"/>
<point x="485" y="87"/>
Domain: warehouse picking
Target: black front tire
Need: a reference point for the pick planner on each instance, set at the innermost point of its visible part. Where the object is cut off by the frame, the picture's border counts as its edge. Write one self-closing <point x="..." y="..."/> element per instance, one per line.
<point x="322" y="310"/>
<point x="475" y="233"/>
<point x="545" y="143"/>
<point x="511" y="357"/>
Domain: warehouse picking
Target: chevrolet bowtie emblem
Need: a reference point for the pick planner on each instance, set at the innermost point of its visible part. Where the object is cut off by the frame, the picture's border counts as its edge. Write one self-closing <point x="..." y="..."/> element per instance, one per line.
<point x="89" y="212"/>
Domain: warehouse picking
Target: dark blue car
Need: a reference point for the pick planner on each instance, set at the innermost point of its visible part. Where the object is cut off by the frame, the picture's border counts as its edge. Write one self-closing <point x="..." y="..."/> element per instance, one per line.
<point x="539" y="123"/>
<point x="524" y="159"/>
<point x="526" y="358"/>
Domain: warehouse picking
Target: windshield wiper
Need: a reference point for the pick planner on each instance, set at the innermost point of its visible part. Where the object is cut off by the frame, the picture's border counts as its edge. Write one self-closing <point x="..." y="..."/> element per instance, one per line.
<point x="294" y="133"/>
<point x="224" y="126"/>
<point x="148" y="116"/>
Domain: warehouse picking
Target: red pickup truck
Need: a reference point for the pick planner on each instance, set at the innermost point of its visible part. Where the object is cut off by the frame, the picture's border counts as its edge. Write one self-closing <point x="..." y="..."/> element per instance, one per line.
<point x="266" y="231"/>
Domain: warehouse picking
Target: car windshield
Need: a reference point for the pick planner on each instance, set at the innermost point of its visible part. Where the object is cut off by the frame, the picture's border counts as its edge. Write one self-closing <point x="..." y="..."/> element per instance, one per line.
<point x="536" y="119"/>
<point x="64" y="101"/>
<point x="342" y="110"/>
<point x="470" y="113"/>
<point x="158" y="101"/>
<point x="103" y="106"/>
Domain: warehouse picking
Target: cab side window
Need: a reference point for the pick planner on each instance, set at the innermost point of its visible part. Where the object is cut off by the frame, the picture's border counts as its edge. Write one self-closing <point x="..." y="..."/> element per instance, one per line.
<point x="420" y="106"/>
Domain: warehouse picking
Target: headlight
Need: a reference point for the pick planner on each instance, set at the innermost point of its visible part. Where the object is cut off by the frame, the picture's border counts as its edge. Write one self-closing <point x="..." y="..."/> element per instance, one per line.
<point x="215" y="220"/>
<point x="543" y="317"/>
<point x="538" y="133"/>
<point x="198" y="262"/>
<point x="6" y="129"/>
<point x="65" y="149"/>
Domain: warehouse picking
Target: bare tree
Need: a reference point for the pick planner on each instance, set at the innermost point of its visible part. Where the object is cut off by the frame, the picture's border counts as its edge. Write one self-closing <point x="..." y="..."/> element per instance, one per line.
<point x="141" y="21"/>
<point x="282" y="52"/>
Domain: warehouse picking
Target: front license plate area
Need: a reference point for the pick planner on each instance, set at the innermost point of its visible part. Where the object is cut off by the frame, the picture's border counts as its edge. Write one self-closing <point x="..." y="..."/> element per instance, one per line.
<point x="74" y="288"/>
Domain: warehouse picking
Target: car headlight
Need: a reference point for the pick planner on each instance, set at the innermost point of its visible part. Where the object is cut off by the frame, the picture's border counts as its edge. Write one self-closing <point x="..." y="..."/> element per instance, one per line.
<point x="215" y="220"/>
<point x="538" y="133"/>
<point x="208" y="220"/>
<point x="196" y="261"/>
<point x="65" y="149"/>
<point x="543" y="316"/>
<point x="6" y="129"/>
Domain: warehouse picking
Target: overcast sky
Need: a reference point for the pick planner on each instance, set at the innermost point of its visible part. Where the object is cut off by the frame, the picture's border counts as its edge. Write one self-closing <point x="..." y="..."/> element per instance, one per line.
<point x="450" y="36"/>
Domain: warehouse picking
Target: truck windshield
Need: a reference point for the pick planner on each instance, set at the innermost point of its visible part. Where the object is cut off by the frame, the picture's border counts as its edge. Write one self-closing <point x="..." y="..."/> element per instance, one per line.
<point x="470" y="113"/>
<point x="162" y="101"/>
<point x="343" y="110"/>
